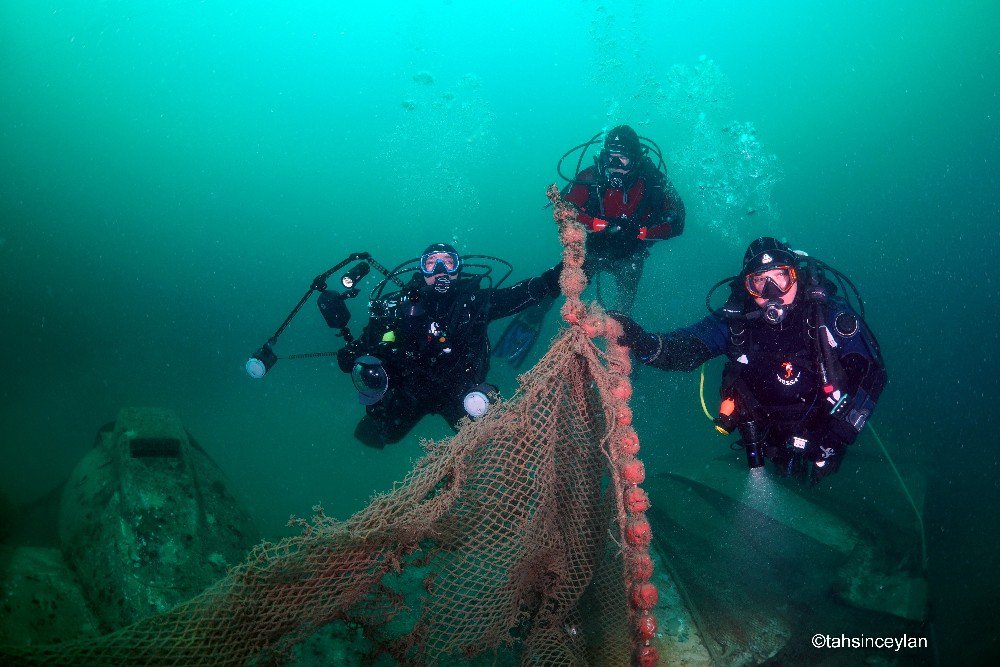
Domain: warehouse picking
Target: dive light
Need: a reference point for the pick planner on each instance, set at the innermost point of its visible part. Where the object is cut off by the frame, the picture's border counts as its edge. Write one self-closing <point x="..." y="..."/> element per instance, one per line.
<point x="352" y="277"/>
<point x="261" y="362"/>
<point x="753" y="441"/>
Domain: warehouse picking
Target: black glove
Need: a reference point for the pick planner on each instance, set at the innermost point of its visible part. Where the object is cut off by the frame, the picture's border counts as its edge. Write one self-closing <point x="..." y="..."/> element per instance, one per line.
<point x="642" y="343"/>
<point x="823" y="451"/>
<point x="346" y="357"/>
<point x="824" y="467"/>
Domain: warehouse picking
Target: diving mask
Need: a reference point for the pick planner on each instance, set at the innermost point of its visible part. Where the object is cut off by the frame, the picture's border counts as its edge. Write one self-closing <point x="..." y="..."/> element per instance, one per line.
<point x="439" y="261"/>
<point x="772" y="283"/>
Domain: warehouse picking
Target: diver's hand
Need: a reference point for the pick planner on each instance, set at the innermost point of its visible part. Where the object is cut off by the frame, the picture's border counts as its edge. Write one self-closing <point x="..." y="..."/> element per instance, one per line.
<point x="346" y="357"/>
<point x="823" y="450"/>
<point x="642" y="343"/>
<point x="551" y="278"/>
<point x="823" y="467"/>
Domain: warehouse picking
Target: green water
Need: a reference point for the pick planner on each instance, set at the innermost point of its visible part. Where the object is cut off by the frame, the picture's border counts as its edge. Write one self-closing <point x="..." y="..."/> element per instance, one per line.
<point x="173" y="174"/>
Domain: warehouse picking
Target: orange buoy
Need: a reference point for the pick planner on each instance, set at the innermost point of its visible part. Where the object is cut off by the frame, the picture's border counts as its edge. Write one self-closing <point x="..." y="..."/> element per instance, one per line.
<point x="636" y="500"/>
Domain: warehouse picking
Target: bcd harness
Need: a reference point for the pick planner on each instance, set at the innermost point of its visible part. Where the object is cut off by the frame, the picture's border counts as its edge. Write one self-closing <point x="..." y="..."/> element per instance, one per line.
<point x="739" y="405"/>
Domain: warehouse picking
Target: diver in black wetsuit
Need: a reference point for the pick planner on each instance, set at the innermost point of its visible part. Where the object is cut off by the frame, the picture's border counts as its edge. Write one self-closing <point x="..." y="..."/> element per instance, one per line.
<point x="425" y="349"/>
<point x="804" y="371"/>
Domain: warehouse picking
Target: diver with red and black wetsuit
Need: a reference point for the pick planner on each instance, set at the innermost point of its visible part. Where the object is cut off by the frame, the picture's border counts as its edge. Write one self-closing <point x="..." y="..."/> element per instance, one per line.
<point x="626" y="203"/>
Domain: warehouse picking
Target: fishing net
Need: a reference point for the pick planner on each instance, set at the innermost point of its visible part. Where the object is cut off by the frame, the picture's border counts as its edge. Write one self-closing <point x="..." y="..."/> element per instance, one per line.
<point x="523" y="536"/>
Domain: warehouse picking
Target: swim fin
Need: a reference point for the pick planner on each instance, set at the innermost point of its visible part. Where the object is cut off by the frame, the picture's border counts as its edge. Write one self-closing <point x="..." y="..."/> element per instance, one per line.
<point x="520" y="335"/>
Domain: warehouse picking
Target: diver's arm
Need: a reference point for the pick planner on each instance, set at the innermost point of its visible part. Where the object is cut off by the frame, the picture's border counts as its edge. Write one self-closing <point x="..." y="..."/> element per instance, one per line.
<point x="866" y="378"/>
<point x="668" y="222"/>
<point x="864" y="371"/>
<point x="688" y="348"/>
<point x="683" y="349"/>
<point x="578" y="193"/>
<point x="507" y="301"/>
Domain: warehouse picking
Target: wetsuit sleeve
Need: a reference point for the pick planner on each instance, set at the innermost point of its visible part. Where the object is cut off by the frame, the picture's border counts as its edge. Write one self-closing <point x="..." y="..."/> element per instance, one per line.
<point x="507" y="301"/>
<point x="863" y="367"/>
<point x="688" y="348"/>
<point x="668" y="221"/>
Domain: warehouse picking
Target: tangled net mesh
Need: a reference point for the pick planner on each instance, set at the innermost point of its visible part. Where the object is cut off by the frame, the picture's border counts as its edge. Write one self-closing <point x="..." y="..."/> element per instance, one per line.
<point x="524" y="534"/>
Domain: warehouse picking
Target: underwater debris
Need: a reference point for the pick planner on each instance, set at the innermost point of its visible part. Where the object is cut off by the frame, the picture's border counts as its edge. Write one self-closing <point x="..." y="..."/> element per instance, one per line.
<point x="154" y="528"/>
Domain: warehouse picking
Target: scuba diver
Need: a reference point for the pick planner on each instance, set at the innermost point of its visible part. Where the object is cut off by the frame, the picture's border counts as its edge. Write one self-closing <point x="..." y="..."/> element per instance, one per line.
<point x="425" y="349"/>
<point x="804" y="371"/>
<point x="626" y="203"/>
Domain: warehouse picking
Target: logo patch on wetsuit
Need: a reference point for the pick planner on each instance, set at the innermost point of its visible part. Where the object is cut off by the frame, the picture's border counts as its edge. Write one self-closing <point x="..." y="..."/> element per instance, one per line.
<point x="437" y="334"/>
<point x="789" y="375"/>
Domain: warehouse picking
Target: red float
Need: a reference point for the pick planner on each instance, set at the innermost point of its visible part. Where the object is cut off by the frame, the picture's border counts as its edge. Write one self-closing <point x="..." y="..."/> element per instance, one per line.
<point x="644" y="596"/>
<point x="634" y="472"/>
<point x="636" y="500"/>
<point x="622" y="389"/>
<point x="645" y="628"/>
<point x="593" y="326"/>
<point x="647" y="656"/>
<point x="642" y="567"/>
<point x="628" y="445"/>
<point x="638" y="533"/>
<point x="624" y="415"/>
